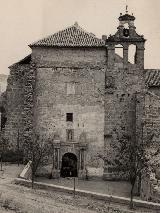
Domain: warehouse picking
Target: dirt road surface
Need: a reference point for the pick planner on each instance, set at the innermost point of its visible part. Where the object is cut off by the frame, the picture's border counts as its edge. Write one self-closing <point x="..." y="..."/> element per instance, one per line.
<point x="20" y="199"/>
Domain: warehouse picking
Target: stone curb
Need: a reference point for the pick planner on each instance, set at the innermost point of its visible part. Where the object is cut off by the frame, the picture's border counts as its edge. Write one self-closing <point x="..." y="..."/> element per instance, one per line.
<point x="98" y="196"/>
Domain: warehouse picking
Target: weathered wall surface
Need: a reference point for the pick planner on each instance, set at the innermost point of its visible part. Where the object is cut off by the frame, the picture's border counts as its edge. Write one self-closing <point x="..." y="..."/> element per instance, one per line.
<point x="150" y="188"/>
<point x="120" y="110"/>
<point x="83" y="69"/>
<point x="148" y="118"/>
<point x="152" y="116"/>
<point x="151" y="128"/>
<point x="69" y="57"/>
<point x="15" y="104"/>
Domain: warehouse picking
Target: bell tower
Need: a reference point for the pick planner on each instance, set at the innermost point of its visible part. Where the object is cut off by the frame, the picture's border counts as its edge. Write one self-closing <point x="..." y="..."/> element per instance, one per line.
<point x="126" y="36"/>
<point x="123" y="81"/>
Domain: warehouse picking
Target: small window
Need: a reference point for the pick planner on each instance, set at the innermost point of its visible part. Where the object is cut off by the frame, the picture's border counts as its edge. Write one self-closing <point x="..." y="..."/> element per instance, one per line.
<point x="69" y="117"/>
<point x="70" y="134"/>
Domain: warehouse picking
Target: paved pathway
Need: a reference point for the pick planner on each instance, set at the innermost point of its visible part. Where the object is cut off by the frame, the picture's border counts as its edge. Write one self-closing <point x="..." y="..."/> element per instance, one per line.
<point x="121" y="188"/>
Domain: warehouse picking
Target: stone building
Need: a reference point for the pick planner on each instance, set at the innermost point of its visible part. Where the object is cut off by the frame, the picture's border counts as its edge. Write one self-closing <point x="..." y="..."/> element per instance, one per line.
<point x="75" y="89"/>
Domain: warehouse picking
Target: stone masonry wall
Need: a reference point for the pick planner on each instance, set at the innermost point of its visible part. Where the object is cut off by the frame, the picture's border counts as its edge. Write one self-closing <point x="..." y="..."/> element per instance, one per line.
<point x="69" y="57"/>
<point x="148" y="115"/>
<point x="15" y="104"/>
<point x="120" y="110"/>
<point x="29" y="109"/>
<point x="85" y="68"/>
<point x="150" y="187"/>
<point x="152" y="116"/>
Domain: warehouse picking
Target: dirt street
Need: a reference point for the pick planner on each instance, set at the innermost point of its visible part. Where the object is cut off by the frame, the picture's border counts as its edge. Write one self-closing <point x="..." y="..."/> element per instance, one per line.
<point x="20" y="199"/>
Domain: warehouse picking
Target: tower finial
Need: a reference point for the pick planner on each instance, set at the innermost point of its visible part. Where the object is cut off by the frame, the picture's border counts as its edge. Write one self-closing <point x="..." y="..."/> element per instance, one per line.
<point x="126" y="8"/>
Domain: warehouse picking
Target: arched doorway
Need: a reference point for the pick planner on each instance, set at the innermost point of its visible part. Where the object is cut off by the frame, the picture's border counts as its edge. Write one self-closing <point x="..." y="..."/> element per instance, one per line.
<point x="69" y="165"/>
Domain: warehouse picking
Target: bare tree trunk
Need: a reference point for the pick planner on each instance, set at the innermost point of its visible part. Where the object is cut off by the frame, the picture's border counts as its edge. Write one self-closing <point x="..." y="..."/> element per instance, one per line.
<point x="18" y="147"/>
<point x="32" y="178"/>
<point x="33" y="167"/>
<point x="86" y="174"/>
<point x="74" y="187"/>
<point x="50" y="177"/>
<point x="131" y="200"/>
<point x="1" y="163"/>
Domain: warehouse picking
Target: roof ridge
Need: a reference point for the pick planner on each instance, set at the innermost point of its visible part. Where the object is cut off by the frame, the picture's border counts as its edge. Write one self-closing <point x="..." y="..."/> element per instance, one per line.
<point x="48" y="36"/>
<point x="80" y="28"/>
<point x="70" y="37"/>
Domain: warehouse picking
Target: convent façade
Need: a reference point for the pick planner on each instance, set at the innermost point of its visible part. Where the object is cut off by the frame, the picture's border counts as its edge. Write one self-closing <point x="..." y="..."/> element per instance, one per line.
<point x="75" y="89"/>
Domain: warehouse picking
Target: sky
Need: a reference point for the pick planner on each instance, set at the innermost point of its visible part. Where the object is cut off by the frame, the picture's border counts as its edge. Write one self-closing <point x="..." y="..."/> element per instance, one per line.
<point x="25" y="21"/>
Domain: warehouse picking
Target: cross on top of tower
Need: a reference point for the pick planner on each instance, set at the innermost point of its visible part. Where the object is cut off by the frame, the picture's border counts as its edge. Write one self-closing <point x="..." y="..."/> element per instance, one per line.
<point x="126" y="8"/>
<point x="126" y="17"/>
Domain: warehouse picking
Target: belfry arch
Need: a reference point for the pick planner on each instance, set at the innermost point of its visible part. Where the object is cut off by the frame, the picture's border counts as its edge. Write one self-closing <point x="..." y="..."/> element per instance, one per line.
<point x="132" y="53"/>
<point x="119" y="50"/>
<point x="130" y="40"/>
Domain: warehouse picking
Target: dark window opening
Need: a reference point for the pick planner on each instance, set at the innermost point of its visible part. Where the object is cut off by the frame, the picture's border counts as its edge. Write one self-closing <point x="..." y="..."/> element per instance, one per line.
<point x="126" y="32"/>
<point x="70" y="134"/>
<point x="69" y="117"/>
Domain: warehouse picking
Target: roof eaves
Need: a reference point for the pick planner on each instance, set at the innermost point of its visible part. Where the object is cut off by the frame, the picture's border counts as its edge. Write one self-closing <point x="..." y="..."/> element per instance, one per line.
<point x="21" y="61"/>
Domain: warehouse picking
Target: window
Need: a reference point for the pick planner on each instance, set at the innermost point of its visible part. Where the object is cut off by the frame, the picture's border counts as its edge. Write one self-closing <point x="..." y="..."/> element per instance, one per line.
<point x="71" y="88"/>
<point x="70" y="134"/>
<point x="69" y="117"/>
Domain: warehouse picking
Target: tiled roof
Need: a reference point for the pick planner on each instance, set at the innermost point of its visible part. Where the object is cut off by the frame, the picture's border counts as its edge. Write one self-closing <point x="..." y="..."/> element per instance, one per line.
<point x="25" y="60"/>
<point x="152" y="78"/>
<point x="73" y="36"/>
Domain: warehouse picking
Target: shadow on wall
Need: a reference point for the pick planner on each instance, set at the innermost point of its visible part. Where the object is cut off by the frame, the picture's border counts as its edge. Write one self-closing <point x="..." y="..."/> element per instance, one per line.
<point x="3" y="118"/>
